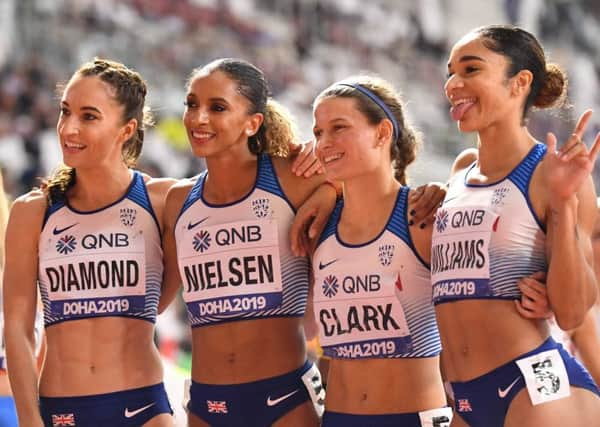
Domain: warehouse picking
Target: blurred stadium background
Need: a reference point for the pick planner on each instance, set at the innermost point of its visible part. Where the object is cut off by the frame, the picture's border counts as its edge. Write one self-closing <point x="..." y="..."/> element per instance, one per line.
<point x="302" y="45"/>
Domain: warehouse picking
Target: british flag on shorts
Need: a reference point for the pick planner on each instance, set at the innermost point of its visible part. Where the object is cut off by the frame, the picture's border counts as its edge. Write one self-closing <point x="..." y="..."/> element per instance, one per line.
<point x="217" y="406"/>
<point x="464" y="405"/>
<point x="63" y="420"/>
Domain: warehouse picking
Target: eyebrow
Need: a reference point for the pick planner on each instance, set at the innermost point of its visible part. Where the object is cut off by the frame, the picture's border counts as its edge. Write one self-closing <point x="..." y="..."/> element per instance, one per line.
<point x="468" y="58"/>
<point x="86" y="107"/>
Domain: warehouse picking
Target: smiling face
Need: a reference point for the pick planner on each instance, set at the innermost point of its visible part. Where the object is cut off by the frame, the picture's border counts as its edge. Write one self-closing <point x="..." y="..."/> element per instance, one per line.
<point x="90" y="127"/>
<point x="217" y="116"/>
<point x="347" y="144"/>
<point x="480" y="93"/>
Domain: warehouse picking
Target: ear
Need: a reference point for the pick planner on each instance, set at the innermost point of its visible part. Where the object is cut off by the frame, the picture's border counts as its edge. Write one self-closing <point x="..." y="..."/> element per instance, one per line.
<point x="253" y="123"/>
<point x="521" y="82"/>
<point x="129" y="129"/>
<point x="385" y="131"/>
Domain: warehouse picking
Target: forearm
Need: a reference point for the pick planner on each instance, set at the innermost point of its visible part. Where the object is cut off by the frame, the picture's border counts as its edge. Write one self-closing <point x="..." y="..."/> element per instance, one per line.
<point x="22" y="372"/>
<point x="571" y="280"/>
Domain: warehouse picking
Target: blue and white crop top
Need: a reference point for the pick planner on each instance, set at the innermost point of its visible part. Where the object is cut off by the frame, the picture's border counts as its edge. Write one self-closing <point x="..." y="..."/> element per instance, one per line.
<point x="374" y="300"/>
<point x="235" y="260"/>
<point x="107" y="262"/>
<point x="487" y="237"/>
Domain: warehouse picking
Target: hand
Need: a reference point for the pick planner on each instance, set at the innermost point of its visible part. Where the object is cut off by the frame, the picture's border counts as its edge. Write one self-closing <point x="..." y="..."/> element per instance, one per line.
<point x="311" y="218"/>
<point x="534" y="302"/>
<point x="425" y="201"/>
<point x="570" y="166"/>
<point x="306" y="162"/>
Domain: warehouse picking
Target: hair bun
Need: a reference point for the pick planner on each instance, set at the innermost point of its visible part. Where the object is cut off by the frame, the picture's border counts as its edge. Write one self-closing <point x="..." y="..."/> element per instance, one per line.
<point x="553" y="90"/>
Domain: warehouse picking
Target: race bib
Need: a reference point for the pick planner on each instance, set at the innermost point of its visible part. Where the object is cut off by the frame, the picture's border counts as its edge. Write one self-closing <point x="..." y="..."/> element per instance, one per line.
<point x="460" y="253"/>
<point x="233" y="268"/>
<point x="545" y="376"/>
<point x="359" y="316"/>
<point x="439" y="417"/>
<point x="98" y="274"/>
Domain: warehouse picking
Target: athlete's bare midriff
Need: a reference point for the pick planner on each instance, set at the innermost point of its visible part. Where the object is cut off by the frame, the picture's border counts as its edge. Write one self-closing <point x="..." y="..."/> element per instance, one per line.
<point x="481" y="335"/>
<point x="103" y="355"/>
<point x="384" y="386"/>
<point x="249" y="350"/>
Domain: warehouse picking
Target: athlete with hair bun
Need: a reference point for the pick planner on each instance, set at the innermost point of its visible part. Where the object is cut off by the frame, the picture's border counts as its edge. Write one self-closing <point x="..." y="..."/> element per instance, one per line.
<point x="522" y="207"/>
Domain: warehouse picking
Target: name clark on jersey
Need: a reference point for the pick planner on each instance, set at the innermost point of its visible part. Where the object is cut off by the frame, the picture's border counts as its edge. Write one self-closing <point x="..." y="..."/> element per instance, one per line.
<point x="249" y="270"/>
<point x="457" y="254"/>
<point x="93" y="275"/>
<point x="363" y="318"/>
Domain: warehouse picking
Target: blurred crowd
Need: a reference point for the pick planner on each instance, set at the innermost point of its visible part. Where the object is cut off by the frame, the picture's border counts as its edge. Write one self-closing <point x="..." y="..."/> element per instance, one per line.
<point x="302" y="45"/>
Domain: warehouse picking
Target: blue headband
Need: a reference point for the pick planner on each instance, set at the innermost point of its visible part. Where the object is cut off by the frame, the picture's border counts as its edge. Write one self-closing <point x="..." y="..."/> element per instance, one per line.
<point x="377" y="100"/>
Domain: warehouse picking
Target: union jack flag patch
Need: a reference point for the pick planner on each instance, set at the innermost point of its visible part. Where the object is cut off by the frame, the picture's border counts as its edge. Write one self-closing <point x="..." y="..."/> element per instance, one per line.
<point x="63" y="420"/>
<point x="464" y="405"/>
<point x="217" y="406"/>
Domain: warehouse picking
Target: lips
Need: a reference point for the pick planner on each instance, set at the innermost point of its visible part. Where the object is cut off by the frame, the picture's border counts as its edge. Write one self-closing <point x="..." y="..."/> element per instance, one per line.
<point x="332" y="157"/>
<point x="201" y="137"/>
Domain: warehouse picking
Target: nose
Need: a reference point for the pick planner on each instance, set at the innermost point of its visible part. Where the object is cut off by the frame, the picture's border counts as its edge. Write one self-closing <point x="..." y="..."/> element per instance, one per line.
<point x="454" y="82"/>
<point x="67" y="126"/>
<point x="198" y="117"/>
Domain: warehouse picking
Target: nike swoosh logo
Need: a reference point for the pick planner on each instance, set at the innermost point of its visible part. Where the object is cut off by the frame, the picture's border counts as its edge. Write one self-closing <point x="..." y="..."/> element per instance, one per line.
<point x="62" y="230"/>
<point x="327" y="264"/>
<point x="131" y="414"/>
<point x="502" y="393"/>
<point x="280" y="399"/>
<point x="194" y="224"/>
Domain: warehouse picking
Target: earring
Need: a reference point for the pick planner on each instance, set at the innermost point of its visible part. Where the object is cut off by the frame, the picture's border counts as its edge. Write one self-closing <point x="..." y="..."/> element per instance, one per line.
<point x="248" y="132"/>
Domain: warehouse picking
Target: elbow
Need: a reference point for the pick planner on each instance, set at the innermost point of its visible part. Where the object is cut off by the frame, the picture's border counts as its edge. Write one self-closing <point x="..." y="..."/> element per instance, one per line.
<point x="570" y="320"/>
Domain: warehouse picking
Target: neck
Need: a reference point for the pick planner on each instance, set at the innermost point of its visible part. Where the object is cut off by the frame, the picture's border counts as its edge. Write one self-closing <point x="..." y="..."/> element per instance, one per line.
<point x="363" y="195"/>
<point x="230" y="176"/>
<point x="99" y="186"/>
<point x="501" y="147"/>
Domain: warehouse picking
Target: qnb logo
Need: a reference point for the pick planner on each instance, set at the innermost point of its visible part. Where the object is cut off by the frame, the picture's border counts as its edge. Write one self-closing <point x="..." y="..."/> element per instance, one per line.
<point x="330" y="286"/>
<point x="261" y="207"/>
<point x="386" y="253"/>
<point x="201" y="241"/>
<point x="66" y="244"/>
<point x="441" y="220"/>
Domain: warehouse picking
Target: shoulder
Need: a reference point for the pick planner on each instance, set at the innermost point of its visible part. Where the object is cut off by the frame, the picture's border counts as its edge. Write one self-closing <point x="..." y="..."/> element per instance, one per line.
<point x="464" y="160"/>
<point x="28" y="209"/>
<point x="296" y="188"/>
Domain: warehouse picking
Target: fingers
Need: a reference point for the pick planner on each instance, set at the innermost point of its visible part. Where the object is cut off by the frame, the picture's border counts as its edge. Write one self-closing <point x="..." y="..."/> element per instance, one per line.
<point x="314" y="169"/>
<point x="425" y="202"/>
<point x="582" y="123"/>
<point x="522" y="311"/>
<point x="317" y="225"/>
<point x="551" y="142"/>
<point x="595" y="149"/>
<point x="540" y="276"/>
<point x="533" y="289"/>
<point x="298" y="230"/>
<point x="305" y="157"/>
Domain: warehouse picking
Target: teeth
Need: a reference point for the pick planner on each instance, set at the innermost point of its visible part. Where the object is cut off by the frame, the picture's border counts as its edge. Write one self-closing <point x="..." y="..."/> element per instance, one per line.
<point x="463" y="101"/>
<point x="201" y="135"/>
<point x="73" y="145"/>
<point x="332" y="157"/>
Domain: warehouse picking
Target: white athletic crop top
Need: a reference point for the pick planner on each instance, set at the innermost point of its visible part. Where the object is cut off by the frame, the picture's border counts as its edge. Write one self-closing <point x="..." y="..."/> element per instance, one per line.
<point x="107" y="262"/>
<point x="373" y="300"/>
<point x="235" y="260"/>
<point x="487" y="237"/>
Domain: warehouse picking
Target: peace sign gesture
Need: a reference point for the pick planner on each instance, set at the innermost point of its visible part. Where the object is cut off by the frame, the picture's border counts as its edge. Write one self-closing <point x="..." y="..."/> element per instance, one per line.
<point x="570" y="166"/>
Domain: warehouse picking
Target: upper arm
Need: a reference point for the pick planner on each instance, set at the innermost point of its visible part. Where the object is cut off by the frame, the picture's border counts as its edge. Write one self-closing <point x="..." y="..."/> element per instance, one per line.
<point x="21" y="260"/>
<point x="173" y="204"/>
<point x="296" y="188"/>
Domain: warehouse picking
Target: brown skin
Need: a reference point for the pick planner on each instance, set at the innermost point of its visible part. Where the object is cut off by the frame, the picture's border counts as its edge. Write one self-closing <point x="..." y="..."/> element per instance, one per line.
<point x="563" y="197"/>
<point x="218" y="126"/>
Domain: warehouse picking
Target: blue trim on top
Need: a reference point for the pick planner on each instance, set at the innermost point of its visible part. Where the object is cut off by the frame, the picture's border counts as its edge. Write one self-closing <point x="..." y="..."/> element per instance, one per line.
<point x="139" y="195"/>
<point x="120" y="199"/>
<point x="235" y="202"/>
<point x="267" y="179"/>
<point x="387" y="225"/>
<point x="398" y="224"/>
<point x="521" y="176"/>
<point x="194" y="194"/>
<point x="332" y="222"/>
<point x="51" y="209"/>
